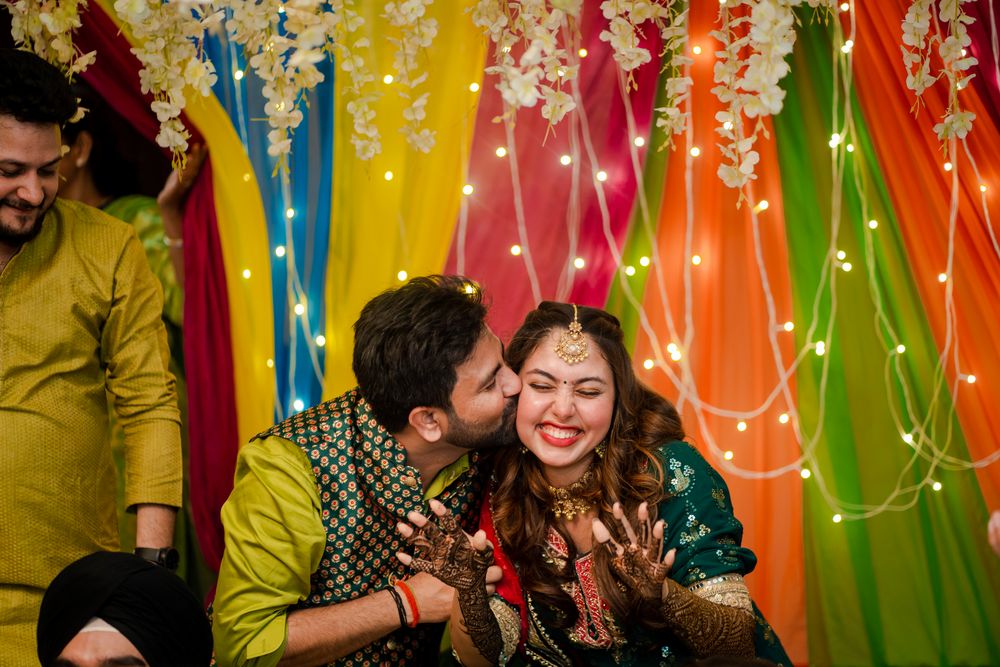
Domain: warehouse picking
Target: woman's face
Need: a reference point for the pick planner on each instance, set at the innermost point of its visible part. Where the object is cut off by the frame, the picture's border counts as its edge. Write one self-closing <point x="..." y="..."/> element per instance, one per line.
<point x="564" y="410"/>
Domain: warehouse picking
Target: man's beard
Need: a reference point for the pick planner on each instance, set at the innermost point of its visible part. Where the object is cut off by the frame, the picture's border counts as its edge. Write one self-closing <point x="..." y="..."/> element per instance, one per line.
<point x="15" y="236"/>
<point x="469" y="435"/>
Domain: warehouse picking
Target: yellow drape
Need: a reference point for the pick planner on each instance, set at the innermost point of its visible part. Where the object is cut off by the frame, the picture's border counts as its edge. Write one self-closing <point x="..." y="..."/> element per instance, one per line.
<point x="380" y="227"/>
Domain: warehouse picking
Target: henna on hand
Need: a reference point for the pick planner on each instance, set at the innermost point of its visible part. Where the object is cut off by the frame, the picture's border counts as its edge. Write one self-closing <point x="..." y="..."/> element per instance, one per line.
<point x="442" y="549"/>
<point x="639" y="563"/>
<point x="706" y="627"/>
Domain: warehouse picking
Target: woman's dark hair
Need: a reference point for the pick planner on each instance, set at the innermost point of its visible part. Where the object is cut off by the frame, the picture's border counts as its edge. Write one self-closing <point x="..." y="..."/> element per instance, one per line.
<point x="629" y="472"/>
<point x="32" y="90"/>
<point x="408" y="342"/>
<point x="122" y="161"/>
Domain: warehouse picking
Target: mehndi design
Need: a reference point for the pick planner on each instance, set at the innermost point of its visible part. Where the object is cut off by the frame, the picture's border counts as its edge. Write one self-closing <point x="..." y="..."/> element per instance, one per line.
<point x="706" y="627"/>
<point x="446" y="553"/>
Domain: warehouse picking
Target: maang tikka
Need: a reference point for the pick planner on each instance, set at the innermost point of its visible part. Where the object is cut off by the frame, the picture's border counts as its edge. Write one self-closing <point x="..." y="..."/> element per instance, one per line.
<point x="572" y="346"/>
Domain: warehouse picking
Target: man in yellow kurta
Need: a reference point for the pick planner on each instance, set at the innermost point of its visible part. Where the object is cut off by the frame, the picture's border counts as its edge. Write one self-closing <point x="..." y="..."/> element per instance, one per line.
<point x="79" y="316"/>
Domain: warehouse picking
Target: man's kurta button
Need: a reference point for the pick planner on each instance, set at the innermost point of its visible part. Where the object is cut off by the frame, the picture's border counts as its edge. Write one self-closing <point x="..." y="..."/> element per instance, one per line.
<point x="409" y="480"/>
<point x="391" y="645"/>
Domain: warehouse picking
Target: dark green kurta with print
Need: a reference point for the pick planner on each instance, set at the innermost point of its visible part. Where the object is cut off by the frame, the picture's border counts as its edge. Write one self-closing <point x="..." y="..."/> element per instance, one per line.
<point x="366" y="487"/>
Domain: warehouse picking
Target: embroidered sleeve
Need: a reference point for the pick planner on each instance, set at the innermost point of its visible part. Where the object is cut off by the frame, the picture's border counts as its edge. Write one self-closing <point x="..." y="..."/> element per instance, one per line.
<point x="709" y="629"/>
<point x="699" y="518"/>
<point x="728" y="590"/>
<point x="509" y="621"/>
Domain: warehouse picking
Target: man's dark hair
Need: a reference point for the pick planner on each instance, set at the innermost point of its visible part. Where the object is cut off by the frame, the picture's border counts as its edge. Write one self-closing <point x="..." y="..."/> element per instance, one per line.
<point x="32" y="90"/>
<point x="409" y="340"/>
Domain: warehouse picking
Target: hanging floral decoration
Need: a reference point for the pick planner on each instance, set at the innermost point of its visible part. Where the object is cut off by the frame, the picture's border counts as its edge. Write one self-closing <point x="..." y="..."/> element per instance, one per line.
<point x="46" y="28"/>
<point x="535" y="59"/>
<point x="953" y="51"/>
<point x="168" y="37"/>
<point x="416" y="32"/>
<point x="347" y="48"/>
<point x="543" y="68"/>
<point x="672" y="117"/>
<point x="750" y="66"/>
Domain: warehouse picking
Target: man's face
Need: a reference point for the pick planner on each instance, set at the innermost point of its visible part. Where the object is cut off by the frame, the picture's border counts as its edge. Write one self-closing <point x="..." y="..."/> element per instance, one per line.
<point x="483" y="402"/>
<point x="100" y="649"/>
<point x="29" y="162"/>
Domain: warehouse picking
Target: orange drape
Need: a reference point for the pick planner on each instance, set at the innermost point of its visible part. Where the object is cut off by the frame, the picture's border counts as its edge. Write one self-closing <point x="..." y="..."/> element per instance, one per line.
<point x="729" y="319"/>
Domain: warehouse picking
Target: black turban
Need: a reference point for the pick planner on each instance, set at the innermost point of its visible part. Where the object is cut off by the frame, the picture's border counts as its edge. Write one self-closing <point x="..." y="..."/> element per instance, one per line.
<point x="148" y="604"/>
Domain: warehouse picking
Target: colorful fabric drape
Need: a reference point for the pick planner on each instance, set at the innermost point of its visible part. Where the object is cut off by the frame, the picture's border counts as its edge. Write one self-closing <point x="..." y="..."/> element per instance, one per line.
<point x="397" y="212"/>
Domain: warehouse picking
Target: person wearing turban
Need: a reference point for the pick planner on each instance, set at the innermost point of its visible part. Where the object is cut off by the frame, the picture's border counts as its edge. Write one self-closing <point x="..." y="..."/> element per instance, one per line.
<point x="117" y="608"/>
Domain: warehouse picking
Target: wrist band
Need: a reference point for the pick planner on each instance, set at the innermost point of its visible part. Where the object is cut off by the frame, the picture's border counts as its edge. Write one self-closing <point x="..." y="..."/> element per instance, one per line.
<point x="412" y="600"/>
<point x="399" y="605"/>
<point x="172" y="243"/>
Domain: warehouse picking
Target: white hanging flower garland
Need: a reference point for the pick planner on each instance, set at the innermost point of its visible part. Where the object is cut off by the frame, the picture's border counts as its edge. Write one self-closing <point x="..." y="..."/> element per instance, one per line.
<point x="956" y="62"/>
<point x="347" y="52"/>
<point x="168" y="45"/>
<point x="677" y="86"/>
<point x="417" y="31"/>
<point x="756" y="37"/>
<point x="918" y="43"/>
<point x="46" y="27"/>
<point x="544" y="66"/>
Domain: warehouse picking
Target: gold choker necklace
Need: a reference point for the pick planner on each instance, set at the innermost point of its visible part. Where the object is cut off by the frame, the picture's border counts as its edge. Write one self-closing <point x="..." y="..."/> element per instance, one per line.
<point x="566" y="501"/>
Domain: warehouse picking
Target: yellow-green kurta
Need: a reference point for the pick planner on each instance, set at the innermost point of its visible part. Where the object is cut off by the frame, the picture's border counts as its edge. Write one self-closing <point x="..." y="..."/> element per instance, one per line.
<point x="79" y="315"/>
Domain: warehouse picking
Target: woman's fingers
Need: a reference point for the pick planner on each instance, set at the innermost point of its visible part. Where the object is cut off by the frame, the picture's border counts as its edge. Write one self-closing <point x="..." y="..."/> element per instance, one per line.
<point x="629" y="531"/>
<point x="405" y="559"/>
<point x="644" y="526"/>
<point x="417" y="519"/>
<point x="438" y="508"/>
<point x="668" y="560"/>
<point x="656" y="547"/>
<point x="405" y="530"/>
<point x="603" y="536"/>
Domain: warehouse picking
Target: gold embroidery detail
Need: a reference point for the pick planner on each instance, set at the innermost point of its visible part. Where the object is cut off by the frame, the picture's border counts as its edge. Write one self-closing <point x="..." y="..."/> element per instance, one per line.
<point x="510" y="627"/>
<point x="728" y="590"/>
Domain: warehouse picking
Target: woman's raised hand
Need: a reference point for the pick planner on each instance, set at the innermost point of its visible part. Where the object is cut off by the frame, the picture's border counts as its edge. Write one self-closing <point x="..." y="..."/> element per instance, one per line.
<point x="443" y="549"/>
<point x="640" y="562"/>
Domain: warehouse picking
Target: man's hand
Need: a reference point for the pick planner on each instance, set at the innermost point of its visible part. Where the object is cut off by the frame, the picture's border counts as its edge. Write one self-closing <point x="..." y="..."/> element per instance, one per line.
<point x="178" y="184"/>
<point x="434" y="598"/>
<point x="639" y="563"/>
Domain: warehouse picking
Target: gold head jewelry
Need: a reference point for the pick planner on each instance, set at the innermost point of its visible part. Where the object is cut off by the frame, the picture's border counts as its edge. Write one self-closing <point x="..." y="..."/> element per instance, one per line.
<point x="566" y="501"/>
<point x="572" y="346"/>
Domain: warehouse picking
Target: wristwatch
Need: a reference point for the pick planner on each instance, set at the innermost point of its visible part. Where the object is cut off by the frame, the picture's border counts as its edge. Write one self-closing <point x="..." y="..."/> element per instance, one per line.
<point x="166" y="557"/>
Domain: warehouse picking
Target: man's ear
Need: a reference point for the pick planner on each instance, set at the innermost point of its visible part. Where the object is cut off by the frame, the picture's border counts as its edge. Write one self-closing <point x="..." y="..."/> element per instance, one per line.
<point x="430" y="423"/>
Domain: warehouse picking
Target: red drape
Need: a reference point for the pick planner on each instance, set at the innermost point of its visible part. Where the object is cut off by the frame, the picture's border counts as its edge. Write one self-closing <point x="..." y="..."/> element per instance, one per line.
<point x="552" y="210"/>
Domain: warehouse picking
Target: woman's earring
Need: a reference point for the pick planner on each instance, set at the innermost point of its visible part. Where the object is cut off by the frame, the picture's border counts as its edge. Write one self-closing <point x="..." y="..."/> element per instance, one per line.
<point x="524" y="450"/>
<point x="601" y="449"/>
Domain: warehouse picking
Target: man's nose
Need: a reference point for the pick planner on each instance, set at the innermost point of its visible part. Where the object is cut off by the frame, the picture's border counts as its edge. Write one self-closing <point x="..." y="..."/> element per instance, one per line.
<point x="30" y="190"/>
<point x="510" y="382"/>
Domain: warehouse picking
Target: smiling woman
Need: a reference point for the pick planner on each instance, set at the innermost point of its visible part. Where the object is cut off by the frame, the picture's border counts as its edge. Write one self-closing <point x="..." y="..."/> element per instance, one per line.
<point x="564" y="412"/>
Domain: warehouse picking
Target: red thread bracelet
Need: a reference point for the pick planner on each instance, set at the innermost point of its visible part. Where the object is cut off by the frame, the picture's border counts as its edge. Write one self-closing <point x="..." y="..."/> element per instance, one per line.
<point x="413" y="602"/>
